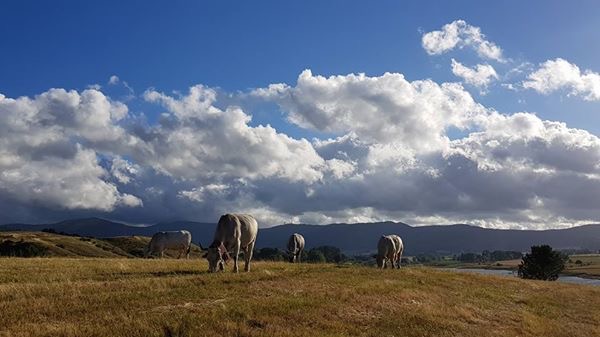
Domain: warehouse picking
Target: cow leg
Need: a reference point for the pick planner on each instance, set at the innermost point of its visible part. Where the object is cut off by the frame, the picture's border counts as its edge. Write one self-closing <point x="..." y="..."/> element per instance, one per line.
<point x="236" y="253"/>
<point x="399" y="258"/>
<point x="162" y="254"/>
<point x="299" y="255"/>
<point x="248" y="256"/>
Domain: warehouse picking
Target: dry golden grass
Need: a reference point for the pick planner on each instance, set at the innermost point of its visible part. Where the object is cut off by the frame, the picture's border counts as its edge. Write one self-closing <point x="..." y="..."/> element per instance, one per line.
<point x="589" y="267"/>
<point x="56" y="245"/>
<point x="138" y="297"/>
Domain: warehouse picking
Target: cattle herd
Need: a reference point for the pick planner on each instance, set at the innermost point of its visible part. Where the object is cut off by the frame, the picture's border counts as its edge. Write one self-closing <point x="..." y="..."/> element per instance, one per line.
<point x="237" y="232"/>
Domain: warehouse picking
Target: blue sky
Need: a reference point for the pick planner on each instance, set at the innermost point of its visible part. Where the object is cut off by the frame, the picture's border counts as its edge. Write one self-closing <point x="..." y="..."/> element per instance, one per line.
<point x="241" y="45"/>
<point x="159" y="50"/>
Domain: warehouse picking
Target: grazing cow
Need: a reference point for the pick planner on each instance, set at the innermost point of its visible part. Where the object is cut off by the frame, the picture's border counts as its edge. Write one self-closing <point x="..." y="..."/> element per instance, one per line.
<point x="176" y="240"/>
<point x="234" y="232"/>
<point x="295" y="247"/>
<point x="399" y="250"/>
<point x="386" y="251"/>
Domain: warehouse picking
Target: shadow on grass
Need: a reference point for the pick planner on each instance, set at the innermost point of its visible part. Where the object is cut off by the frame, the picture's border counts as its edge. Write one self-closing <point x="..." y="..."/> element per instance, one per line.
<point x="179" y="331"/>
<point x="148" y="274"/>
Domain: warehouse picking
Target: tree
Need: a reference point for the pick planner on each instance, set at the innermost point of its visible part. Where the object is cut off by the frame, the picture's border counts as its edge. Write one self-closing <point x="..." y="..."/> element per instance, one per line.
<point x="332" y="254"/>
<point x="269" y="254"/>
<point x="315" y="256"/>
<point x="543" y="263"/>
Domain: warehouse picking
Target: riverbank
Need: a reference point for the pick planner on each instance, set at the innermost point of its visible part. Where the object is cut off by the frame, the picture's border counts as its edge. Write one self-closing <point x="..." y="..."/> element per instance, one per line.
<point x="581" y="265"/>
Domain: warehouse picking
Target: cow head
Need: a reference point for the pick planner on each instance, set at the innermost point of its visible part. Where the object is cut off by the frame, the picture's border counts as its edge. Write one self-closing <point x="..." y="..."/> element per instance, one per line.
<point x="380" y="261"/>
<point x="217" y="256"/>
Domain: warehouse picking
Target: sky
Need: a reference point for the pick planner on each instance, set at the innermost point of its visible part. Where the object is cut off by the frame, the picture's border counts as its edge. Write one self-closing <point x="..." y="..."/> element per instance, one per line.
<point x="425" y="112"/>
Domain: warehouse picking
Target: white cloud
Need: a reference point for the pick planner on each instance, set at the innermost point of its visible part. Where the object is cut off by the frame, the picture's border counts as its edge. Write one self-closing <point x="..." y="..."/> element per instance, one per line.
<point x="114" y="79"/>
<point x="559" y="74"/>
<point x="508" y="171"/>
<point x="43" y="155"/>
<point x="392" y="157"/>
<point x="123" y="170"/>
<point x="199" y="141"/>
<point x="382" y="109"/>
<point x="459" y="34"/>
<point x="480" y="76"/>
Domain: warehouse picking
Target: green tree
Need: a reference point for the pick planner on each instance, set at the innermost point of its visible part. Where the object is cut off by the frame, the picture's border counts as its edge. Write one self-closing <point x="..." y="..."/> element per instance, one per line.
<point x="315" y="256"/>
<point x="332" y="254"/>
<point x="269" y="254"/>
<point x="543" y="263"/>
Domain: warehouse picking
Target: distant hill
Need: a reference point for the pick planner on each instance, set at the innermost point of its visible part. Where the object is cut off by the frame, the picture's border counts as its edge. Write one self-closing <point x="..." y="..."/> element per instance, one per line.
<point x="101" y="228"/>
<point x="353" y="238"/>
<point x="362" y="238"/>
<point x="43" y="244"/>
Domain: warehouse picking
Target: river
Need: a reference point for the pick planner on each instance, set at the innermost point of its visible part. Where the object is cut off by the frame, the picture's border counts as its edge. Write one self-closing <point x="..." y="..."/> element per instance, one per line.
<point x="511" y="273"/>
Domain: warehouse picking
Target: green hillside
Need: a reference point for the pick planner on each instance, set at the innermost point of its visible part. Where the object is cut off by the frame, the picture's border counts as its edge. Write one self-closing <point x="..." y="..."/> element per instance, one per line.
<point x="43" y="244"/>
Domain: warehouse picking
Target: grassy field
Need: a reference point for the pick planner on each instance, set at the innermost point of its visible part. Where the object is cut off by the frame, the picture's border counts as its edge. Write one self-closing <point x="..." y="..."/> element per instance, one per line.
<point x="139" y="297"/>
<point x="589" y="266"/>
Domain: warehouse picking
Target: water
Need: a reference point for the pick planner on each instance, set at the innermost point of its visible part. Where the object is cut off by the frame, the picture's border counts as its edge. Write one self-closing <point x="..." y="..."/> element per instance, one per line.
<point x="511" y="273"/>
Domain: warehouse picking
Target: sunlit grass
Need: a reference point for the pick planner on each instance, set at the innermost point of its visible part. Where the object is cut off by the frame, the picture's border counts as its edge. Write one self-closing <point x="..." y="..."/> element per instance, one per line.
<point x="138" y="297"/>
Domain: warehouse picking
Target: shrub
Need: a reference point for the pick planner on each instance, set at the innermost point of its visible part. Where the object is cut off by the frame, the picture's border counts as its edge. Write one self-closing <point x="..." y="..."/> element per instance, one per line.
<point x="543" y="263"/>
<point x="269" y="254"/>
<point x="21" y="249"/>
<point x="315" y="256"/>
<point x="331" y="254"/>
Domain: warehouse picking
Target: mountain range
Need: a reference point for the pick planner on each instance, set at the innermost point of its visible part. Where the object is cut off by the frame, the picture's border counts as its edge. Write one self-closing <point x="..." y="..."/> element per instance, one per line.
<point x="359" y="238"/>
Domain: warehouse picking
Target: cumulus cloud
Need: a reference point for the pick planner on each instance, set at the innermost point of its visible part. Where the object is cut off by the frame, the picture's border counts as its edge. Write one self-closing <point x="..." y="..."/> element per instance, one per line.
<point x="123" y="170"/>
<point x="390" y="157"/>
<point x="384" y="109"/>
<point x="480" y="76"/>
<point x="517" y="171"/>
<point x="559" y="74"/>
<point x="44" y="154"/>
<point x="459" y="34"/>
<point x="506" y="172"/>
<point x="196" y="140"/>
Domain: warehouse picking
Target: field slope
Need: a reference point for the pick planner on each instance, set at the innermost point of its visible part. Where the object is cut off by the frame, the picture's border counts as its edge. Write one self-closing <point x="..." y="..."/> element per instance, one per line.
<point x="137" y="297"/>
<point x="56" y="245"/>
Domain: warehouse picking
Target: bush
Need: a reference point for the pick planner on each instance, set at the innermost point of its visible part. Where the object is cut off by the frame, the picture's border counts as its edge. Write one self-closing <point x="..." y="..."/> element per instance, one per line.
<point x="543" y="263"/>
<point x="331" y="254"/>
<point x="315" y="256"/>
<point x="21" y="249"/>
<point x="426" y="258"/>
<point x="469" y="257"/>
<point x="269" y="254"/>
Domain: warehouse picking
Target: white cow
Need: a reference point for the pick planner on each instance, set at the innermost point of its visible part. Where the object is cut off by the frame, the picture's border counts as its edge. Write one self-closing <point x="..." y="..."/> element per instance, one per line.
<point x="295" y="247"/>
<point x="399" y="250"/>
<point x="386" y="251"/>
<point x="234" y="232"/>
<point x="176" y="240"/>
